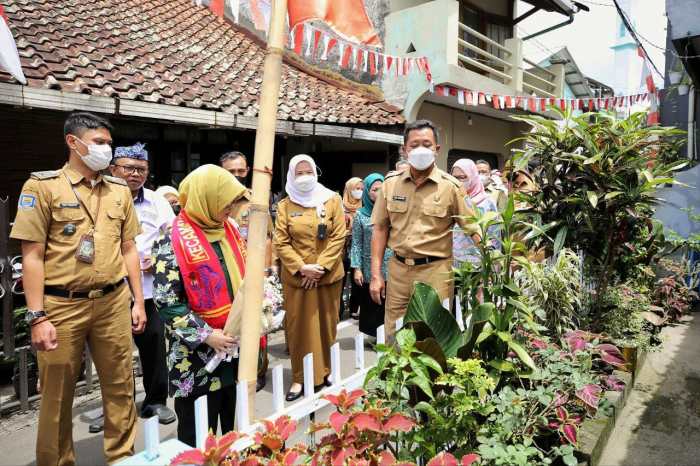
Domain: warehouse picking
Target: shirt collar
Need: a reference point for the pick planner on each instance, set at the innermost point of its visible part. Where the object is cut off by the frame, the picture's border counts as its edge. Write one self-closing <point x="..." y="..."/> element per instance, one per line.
<point x="139" y="198"/>
<point x="434" y="175"/>
<point x="76" y="177"/>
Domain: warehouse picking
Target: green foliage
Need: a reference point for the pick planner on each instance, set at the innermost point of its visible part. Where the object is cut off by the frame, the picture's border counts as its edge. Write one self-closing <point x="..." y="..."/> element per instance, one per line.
<point x="553" y="291"/>
<point x="622" y="318"/>
<point x="597" y="178"/>
<point x="401" y="372"/>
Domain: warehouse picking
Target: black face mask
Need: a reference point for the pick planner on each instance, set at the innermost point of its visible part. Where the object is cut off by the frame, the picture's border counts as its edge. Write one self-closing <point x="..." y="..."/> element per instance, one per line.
<point x="241" y="179"/>
<point x="176" y="209"/>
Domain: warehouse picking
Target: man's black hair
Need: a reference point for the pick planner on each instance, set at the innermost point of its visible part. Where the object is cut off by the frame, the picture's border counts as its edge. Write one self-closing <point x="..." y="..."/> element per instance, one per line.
<point x="483" y="161"/>
<point x="232" y="155"/>
<point x="418" y="125"/>
<point x="79" y="122"/>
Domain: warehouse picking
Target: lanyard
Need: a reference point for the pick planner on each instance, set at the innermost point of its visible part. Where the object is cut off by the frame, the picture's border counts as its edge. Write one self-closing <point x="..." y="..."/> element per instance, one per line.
<point x="84" y="206"/>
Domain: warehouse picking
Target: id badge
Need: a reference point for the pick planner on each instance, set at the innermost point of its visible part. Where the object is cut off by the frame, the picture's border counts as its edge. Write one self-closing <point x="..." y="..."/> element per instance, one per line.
<point x="322" y="231"/>
<point x="86" y="249"/>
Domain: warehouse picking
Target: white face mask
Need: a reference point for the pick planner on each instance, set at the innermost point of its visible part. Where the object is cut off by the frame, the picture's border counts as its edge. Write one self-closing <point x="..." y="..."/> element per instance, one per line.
<point x="305" y="183"/>
<point x="98" y="157"/>
<point x="485" y="179"/>
<point x="356" y="193"/>
<point x="421" y="158"/>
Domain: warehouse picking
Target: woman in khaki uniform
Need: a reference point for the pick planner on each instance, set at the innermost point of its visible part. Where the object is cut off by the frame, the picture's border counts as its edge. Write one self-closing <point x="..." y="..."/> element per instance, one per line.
<point x="309" y="238"/>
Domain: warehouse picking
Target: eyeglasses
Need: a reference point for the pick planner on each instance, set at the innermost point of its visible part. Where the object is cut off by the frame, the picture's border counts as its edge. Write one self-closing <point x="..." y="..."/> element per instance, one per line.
<point x="129" y="170"/>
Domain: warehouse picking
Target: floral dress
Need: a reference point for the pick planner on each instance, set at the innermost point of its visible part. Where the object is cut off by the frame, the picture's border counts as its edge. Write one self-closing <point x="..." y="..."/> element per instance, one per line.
<point x="188" y="354"/>
<point x="361" y="249"/>
<point x="463" y="247"/>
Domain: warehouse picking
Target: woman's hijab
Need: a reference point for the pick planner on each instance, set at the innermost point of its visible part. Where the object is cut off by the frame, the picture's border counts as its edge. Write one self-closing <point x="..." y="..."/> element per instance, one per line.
<point x="204" y="193"/>
<point x="350" y="204"/>
<point x="313" y="198"/>
<point x="367" y="202"/>
<point x="474" y="186"/>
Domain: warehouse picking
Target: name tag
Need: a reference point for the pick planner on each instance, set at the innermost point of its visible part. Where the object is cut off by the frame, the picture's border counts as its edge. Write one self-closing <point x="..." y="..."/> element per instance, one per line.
<point x="69" y="205"/>
<point x="399" y="198"/>
<point x="296" y="214"/>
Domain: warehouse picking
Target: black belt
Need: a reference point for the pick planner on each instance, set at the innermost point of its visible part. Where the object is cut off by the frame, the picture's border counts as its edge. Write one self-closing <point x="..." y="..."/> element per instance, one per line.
<point x="92" y="294"/>
<point x="419" y="261"/>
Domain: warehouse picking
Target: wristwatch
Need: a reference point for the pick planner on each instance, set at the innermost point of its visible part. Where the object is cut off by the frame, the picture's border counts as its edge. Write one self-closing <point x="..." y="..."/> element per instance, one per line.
<point x="31" y="316"/>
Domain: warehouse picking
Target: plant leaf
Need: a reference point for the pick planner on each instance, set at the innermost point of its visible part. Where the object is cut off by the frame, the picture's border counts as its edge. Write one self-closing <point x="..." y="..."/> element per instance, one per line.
<point x="425" y="306"/>
<point x="398" y="423"/>
<point x="193" y="457"/>
<point x="570" y="432"/>
<point x="592" y="198"/>
<point x="590" y="395"/>
<point x="611" y="354"/>
<point x="443" y="459"/>
<point x="522" y="354"/>
<point x="365" y="421"/>
<point x="467" y="460"/>
<point x="560" y="239"/>
<point x="338" y="420"/>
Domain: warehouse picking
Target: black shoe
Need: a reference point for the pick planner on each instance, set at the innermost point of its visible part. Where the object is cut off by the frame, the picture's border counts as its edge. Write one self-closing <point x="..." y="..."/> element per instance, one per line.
<point x="165" y="415"/>
<point x="260" y="383"/>
<point x="291" y="396"/>
<point x="97" y="425"/>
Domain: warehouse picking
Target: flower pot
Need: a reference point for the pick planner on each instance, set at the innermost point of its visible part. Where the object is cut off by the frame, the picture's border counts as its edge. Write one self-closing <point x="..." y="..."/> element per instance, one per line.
<point x="674" y="77"/>
<point x="683" y="89"/>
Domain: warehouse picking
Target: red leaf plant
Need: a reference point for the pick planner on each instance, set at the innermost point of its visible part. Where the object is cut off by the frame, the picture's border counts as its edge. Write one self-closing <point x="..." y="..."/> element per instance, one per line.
<point x="359" y="435"/>
<point x="578" y="340"/>
<point x="566" y="425"/>
<point x="447" y="459"/>
<point x="214" y="454"/>
<point x="590" y="395"/>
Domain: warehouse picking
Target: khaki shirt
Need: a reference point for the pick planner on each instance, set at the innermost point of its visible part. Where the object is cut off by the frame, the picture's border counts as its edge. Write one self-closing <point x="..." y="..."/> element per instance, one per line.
<point x="420" y="218"/>
<point x="241" y="214"/>
<point x="49" y="213"/>
<point x="297" y="243"/>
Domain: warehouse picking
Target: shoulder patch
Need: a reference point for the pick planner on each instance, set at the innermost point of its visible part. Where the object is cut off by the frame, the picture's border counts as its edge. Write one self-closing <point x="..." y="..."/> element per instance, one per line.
<point x="451" y="179"/>
<point x="45" y="175"/>
<point x="114" y="179"/>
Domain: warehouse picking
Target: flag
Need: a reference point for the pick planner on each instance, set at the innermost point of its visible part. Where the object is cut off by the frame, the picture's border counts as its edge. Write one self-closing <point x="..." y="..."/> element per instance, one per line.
<point x="9" y="58"/>
<point x="261" y="10"/>
<point x="648" y="80"/>
<point x="348" y="18"/>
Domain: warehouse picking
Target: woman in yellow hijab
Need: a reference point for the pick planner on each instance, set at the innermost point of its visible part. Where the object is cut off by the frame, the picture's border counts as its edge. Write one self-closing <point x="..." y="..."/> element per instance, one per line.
<point x="199" y="268"/>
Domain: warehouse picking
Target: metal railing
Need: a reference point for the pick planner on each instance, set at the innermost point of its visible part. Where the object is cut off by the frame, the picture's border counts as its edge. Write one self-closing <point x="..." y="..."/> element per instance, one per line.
<point x="482" y="58"/>
<point x="539" y="80"/>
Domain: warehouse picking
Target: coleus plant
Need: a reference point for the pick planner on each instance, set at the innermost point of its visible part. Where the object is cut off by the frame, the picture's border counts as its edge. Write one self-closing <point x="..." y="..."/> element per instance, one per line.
<point x="566" y="425"/>
<point x="360" y="434"/>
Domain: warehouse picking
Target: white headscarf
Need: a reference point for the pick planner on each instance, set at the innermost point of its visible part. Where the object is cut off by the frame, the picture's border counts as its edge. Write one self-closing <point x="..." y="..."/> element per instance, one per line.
<point x="163" y="190"/>
<point x="314" y="198"/>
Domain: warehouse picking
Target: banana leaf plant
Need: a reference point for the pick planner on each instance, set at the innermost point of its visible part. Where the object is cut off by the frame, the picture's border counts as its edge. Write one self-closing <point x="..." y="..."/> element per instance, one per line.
<point x="494" y="313"/>
<point x="597" y="178"/>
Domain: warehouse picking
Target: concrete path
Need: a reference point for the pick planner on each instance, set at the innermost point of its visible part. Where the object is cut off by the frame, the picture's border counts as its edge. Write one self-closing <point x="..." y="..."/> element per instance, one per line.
<point x="660" y="424"/>
<point x="18" y="432"/>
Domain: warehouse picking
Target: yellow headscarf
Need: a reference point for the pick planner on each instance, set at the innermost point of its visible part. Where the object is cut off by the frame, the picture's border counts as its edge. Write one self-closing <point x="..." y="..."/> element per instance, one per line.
<point x="203" y="195"/>
<point x="350" y="203"/>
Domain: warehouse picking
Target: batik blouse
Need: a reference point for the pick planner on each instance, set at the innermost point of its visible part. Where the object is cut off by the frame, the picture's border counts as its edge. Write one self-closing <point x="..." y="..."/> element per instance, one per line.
<point x="188" y="353"/>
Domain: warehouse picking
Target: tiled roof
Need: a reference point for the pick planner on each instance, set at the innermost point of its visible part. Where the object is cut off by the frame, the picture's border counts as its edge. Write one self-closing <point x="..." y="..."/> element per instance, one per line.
<point x="169" y="52"/>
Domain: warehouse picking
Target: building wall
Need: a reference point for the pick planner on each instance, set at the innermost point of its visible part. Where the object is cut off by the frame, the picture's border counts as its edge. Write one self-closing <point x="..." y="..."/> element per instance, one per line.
<point x="485" y="134"/>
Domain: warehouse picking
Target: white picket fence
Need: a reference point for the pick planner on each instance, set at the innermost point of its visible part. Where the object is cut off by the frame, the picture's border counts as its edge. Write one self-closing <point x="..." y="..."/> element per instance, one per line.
<point x="159" y="453"/>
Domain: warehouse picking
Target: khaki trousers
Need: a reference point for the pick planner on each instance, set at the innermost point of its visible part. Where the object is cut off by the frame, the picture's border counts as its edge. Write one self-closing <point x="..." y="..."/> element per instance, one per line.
<point x="310" y="325"/>
<point x="105" y="323"/>
<point x="399" y="287"/>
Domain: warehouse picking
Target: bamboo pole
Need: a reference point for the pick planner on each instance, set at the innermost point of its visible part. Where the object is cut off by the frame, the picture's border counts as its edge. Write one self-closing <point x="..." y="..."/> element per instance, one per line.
<point x="259" y="205"/>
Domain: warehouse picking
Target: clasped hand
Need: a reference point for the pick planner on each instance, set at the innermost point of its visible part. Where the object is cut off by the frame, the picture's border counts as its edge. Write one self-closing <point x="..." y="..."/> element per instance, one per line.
<point x="310" y="275"/>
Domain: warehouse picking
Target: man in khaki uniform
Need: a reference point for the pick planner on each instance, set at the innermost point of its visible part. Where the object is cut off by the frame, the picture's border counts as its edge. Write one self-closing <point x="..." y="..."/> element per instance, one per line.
<point x="414" y="215"/>
<point x="77" y="229"/>
<point x="236" y="163"/>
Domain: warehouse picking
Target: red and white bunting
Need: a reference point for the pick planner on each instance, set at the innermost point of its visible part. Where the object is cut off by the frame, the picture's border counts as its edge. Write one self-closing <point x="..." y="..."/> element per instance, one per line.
<point x="538" y="104"/>
<point x="312" y="42"/>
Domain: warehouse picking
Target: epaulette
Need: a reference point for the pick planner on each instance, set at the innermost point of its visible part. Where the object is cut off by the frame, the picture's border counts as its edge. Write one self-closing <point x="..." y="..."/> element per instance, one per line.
<point x="115" y="180"/>
<point x="45" y="175"/>
<point x="392" y="174"/>
<point x="451" y="179"/>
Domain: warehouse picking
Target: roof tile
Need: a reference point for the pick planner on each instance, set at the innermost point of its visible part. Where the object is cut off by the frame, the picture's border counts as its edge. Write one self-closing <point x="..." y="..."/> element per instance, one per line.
<point x="168" y="51"/>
